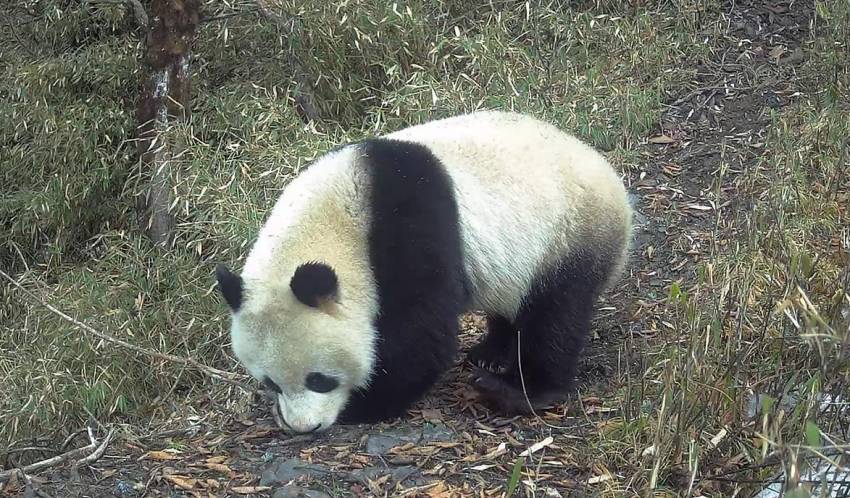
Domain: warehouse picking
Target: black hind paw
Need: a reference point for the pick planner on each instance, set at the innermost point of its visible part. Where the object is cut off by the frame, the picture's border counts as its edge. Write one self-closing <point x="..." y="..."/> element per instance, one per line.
<point x="486" y="356"/>
<point x="500" y="392"/>
<point x="507" y="395"/>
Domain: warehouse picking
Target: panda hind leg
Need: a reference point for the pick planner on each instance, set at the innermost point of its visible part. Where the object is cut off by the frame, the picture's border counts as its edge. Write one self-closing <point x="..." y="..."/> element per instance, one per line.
<point x="554" y="325"/>
<point x="496" y="351"/>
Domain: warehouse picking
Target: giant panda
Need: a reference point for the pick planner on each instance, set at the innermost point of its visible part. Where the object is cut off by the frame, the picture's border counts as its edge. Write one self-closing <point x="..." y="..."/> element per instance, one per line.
<point x="347" y="308"/>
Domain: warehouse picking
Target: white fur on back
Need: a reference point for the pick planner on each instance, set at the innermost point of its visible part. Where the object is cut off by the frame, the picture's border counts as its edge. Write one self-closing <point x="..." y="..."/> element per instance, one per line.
<point x="528" y="194"/>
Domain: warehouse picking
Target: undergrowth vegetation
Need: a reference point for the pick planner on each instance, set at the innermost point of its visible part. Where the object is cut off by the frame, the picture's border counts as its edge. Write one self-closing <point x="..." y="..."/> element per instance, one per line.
<point x="747" y="374"/>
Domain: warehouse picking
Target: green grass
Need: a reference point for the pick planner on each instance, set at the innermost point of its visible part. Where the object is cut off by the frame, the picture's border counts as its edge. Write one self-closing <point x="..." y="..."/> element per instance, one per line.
<point x="765" y="314"/>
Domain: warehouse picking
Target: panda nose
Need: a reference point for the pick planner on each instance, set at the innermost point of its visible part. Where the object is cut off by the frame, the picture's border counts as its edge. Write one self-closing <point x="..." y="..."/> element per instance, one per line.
<point x="309" y="431"/>
<point x="288" y="427"/>
<point x="301" y="431"/>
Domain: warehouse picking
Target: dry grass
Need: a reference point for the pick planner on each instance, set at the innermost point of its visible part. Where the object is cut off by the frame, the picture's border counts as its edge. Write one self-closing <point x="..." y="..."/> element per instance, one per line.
<point x="700" y="398"/>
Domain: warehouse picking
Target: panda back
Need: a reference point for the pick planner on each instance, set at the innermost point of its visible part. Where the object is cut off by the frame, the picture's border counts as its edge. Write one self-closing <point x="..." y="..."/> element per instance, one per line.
<point x="529" y="195"/>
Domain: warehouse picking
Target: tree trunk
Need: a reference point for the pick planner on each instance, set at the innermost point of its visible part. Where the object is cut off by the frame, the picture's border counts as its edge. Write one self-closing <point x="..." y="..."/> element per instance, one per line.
<point x="164" y="101"/>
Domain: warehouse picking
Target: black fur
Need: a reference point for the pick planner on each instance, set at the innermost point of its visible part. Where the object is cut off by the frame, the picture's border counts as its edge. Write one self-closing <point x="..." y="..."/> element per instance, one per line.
<point x="417" y="259"/>
<point x="230" y="286"/>
<point x="320" y="383"/>
<point x="554" y="322"/>
<point x="494" y="351"/>
<point x="313" y="282"/>
<point x="270" y="385"/>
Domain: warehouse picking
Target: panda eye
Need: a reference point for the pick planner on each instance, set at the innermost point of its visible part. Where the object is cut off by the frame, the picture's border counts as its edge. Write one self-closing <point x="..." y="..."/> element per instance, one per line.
<point x="320" y="383"/>
<point x="271" y="386"/>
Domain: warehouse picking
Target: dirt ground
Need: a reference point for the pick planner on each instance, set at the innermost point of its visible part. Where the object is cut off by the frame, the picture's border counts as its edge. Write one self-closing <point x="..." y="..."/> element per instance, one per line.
<point x="451" y="445"/>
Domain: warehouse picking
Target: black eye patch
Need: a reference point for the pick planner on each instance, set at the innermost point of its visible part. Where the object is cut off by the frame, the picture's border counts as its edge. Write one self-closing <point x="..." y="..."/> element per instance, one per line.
<point x="271" y="386"/>
<point x="320" y="383"/>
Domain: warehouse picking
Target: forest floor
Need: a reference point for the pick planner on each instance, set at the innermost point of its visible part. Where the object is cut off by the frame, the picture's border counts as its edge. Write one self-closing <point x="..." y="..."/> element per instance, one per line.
<point x="712" y="131"/>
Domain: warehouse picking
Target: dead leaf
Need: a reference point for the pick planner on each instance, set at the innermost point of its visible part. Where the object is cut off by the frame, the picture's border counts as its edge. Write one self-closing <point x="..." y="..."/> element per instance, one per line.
<point x="217" y="459"/>
<point x="444" y="444"/>
<point x="219" y="467"/>
<point x="402" y="448"/>
<point x="432" y="415"/>
<point x="182" y="482"/>
<point x="375" y="485"/>
<point x="159" y="455"/>
<point x="496" y="452"/>
<point x="604" y="409"/>
<point x="537" y="446"/>
<point x="247" y="490"/>
<point x="661" y="139"/>
<point x="598" y="479"/>
<point x="439" y="490"/>
<point x="717" y="438"/>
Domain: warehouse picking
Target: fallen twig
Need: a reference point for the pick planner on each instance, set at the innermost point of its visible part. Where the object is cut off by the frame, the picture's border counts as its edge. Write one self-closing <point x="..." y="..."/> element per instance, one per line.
<point x="50" y="462"/>
<point x="230" y="378"/>
<point x="95" y="455"/>
<point x="86" y="455"/>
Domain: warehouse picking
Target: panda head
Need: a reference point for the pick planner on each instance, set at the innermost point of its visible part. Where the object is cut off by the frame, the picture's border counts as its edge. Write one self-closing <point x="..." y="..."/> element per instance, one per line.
<point x="301" y="341"/>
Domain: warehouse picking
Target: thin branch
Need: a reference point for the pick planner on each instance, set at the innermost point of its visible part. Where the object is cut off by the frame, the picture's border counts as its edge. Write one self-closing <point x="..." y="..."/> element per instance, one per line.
<point x="97" y="453"/>
<point x="50" y="462"/>
<point x="86" y="455"/>
<point x="230" y="378"/>
<point x="524" y="390"/>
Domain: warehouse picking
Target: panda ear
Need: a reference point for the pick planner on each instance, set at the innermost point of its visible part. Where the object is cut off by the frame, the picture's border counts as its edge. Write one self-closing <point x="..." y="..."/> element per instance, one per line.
<point x="316" y="285"/>
<point x="230" y="286"/>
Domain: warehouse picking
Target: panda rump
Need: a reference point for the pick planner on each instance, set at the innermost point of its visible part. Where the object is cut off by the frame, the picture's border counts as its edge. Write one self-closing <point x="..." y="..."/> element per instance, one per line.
<point x="395" y="237"/>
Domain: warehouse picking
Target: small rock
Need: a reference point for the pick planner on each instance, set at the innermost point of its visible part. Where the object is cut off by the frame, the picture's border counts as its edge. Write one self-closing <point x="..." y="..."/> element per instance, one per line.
<point x="293" y="491"/>
<point x="434" y="433"/>
<point x="380" y="444"/>
<point x="283" y="471"/>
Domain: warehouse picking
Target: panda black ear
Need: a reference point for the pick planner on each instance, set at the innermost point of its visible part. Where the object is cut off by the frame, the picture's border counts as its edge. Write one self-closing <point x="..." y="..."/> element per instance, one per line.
<point x="315" y="284"/>
<point x="230" y="286"/>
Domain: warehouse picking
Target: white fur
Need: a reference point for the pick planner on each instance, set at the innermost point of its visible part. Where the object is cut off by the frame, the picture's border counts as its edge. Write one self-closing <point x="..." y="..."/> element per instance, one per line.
<point x="322" y="216"/>
<point x="528" y="195"/>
